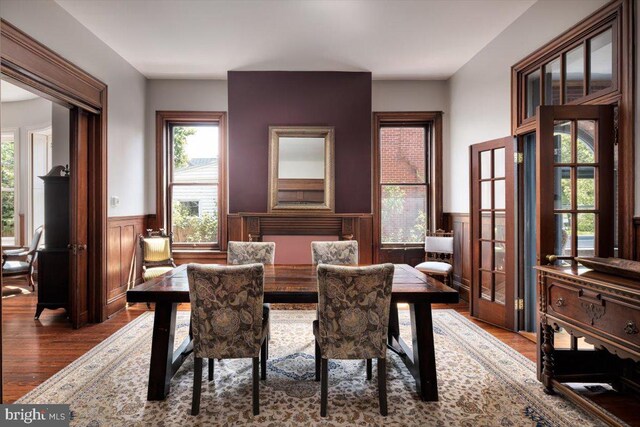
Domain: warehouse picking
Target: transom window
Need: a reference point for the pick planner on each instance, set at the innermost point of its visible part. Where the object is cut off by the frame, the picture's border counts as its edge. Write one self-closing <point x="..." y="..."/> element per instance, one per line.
<point x="579" y="72"/>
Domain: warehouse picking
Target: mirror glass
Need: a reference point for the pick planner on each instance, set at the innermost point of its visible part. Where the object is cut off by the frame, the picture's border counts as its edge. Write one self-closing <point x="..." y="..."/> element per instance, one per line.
<point x="301" y="158"/>
<point x="301" y="168"/>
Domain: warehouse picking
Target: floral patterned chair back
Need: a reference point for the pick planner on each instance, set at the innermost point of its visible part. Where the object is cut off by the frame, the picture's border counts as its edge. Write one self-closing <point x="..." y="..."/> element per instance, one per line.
<point x="344" y="252"/>
<point x="226" y="310"/>
<point x="353" y="311"/>
<point x="251" y="252"/>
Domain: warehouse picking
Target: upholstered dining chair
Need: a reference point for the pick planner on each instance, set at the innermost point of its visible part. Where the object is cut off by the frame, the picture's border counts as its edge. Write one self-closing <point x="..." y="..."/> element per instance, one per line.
<point x="353" y="321"/>
<point x="239" y="253"/>
<point x="157" y="256"/>
<point x="227" y="320"/>
<point x="343" y="252"/>
<point x="438" y="259"/>
<point x="19" y="262"/>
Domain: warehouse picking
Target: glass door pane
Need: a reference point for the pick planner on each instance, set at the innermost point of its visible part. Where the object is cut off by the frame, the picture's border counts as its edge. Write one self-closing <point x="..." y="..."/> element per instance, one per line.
<point x="492" y="230"/>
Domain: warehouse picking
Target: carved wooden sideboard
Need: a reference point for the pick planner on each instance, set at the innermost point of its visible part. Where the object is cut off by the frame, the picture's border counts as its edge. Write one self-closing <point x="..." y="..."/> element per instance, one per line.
<point x="252" y="226"/>
<point x="605" y="311"/>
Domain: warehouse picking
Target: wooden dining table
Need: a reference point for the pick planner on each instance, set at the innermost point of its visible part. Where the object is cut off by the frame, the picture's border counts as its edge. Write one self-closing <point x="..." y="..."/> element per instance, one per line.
<point x="295" y="284"/>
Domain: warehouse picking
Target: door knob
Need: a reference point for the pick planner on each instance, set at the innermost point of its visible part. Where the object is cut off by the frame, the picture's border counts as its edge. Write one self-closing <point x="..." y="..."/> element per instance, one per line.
<point x="73" y="248"/>
<point x="552" y="258"/>
<point x="82" y="247"/>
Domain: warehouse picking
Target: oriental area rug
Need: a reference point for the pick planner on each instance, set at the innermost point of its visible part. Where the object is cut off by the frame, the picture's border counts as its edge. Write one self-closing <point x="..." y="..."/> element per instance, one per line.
<point x="482" y="382"/>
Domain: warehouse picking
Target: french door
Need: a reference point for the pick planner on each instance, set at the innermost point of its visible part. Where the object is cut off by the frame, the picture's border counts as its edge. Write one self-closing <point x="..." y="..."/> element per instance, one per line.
<point x="575" y="192"/>
<point x="493" y="232"/>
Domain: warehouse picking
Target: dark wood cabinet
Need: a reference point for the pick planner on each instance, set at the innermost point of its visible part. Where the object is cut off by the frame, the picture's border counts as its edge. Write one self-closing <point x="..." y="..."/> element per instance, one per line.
<point x="605" y="311"/>
<point x="53" y="259"/>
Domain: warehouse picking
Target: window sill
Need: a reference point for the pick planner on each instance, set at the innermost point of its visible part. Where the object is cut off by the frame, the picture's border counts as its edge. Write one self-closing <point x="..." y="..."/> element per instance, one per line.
<point x="198" y="251"/>
<point x="398" y="247"/>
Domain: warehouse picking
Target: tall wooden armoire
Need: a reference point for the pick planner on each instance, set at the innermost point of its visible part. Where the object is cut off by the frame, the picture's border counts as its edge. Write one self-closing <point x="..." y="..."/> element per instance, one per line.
<point x="53" y="258"/>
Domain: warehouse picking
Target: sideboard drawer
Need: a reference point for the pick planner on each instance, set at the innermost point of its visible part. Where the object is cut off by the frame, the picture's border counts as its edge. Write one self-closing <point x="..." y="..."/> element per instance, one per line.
<point x="594" y="309"/>
<point x="565" y="301"/>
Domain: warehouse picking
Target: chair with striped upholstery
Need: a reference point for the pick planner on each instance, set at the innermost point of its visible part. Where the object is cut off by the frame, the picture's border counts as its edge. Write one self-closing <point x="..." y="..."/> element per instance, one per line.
<point x="157" y="258"/>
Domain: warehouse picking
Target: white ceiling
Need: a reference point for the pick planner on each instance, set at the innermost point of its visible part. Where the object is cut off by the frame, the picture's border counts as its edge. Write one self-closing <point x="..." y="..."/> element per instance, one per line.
<point x="11" y="93"/>
<point x="394" y="39"/>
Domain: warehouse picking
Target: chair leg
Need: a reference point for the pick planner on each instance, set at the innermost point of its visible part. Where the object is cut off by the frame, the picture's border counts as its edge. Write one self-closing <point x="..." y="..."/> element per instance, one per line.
<point x="264" y="354"/>
<point x="318" y="357"/>
<point x="324" y="386"/>
<point x="382" y="385"/>
<point x="256" y="384"/>
<point x="197" y="384"/>
<point x="210" y="369"/>
<point x="31" y="283"/>
<point x="369" y="369"/>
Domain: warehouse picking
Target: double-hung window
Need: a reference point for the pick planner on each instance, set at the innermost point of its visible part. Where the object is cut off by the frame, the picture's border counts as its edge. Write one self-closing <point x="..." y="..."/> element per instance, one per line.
<point x="10" y="232"/>
<point x="193" y="175"/>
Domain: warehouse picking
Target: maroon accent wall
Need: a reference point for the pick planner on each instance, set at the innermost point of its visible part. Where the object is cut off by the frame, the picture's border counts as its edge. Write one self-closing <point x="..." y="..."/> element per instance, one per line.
<point x="259" y="99"/>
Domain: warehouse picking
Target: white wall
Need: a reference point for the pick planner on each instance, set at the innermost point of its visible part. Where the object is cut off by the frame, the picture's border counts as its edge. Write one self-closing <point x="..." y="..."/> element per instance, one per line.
<point x="480" y="92"/>
<point x="50" y="24"/>
<point x="177" y="95"/>
<point x="25" y="116"/>
<point x="60" y="135"/>
<point x="410" y="95"/>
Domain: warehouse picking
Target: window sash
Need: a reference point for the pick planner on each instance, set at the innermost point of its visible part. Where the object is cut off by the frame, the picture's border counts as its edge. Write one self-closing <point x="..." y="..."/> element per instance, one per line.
<point x="10" y="137"/>
<point x="425" y="208"/>
<point x="171" y="183"/>
<point x="170" y="206"/>
<point x="425" y="184"/>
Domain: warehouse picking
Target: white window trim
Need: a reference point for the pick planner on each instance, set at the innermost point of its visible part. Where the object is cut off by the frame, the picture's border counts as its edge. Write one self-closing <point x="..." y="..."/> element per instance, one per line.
<point x="30" y="130"/>
<point x="6" y="132"/>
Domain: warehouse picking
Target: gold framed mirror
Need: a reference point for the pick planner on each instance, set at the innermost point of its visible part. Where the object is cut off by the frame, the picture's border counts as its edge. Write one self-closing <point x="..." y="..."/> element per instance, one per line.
<point x="301" y="168"/>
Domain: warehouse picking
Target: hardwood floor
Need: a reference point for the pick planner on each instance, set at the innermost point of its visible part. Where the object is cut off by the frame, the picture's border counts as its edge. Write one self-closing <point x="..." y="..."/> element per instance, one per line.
<point x="34" y="350"/>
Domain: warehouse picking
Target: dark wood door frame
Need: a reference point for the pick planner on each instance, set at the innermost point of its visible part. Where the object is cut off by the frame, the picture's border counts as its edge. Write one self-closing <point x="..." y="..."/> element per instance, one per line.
<point x="27" y="63"/>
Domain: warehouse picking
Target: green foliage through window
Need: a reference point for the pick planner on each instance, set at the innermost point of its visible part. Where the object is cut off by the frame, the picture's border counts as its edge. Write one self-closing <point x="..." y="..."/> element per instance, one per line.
<point x="402" y="221"/>
<point x="7" y="149"/>
<point x="190" y="228"/>
<point x="180" y="157"/>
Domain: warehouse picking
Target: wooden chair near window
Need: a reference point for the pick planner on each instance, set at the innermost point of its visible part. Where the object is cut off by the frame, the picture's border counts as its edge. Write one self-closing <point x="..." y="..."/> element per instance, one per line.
<point x="225" y="326"/>
<point x="353" y="321"/>
<point x="438" y="257"/>
<point x="343" y="252"/>
<point x="19" y="262"/>
<point x="157" y="257"/>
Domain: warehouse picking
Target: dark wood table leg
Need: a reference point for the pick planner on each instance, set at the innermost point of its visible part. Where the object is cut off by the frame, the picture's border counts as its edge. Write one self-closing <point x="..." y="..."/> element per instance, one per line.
<point x="394" y="323"/>
<point x="161" y="369"/>
<point x="424" y="355"/>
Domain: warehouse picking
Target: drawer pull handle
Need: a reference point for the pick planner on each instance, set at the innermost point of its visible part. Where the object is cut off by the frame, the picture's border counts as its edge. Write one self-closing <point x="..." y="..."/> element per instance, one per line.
<point x="560" y="302"/>
<point x="631" y="328"/>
